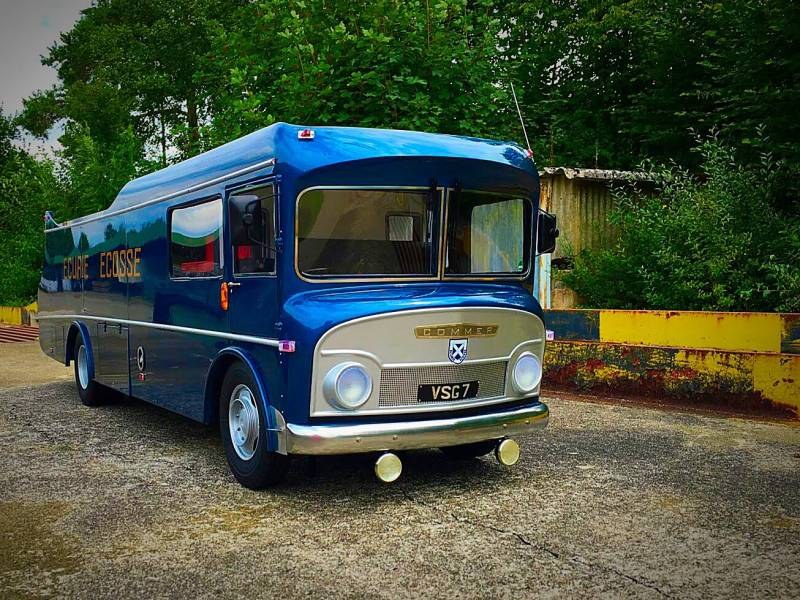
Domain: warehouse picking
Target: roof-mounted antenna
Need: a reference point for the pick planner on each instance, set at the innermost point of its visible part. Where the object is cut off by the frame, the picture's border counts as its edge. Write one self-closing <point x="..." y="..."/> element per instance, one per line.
<point x="519" y="112"/>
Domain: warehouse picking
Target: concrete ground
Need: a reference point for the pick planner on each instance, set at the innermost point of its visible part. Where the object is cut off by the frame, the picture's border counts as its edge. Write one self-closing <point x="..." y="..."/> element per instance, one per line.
<point x="127" y="500"/>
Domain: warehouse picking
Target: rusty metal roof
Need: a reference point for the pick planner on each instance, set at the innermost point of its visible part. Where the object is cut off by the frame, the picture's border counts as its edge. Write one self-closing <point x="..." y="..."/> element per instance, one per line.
<point x="597" y="174"/>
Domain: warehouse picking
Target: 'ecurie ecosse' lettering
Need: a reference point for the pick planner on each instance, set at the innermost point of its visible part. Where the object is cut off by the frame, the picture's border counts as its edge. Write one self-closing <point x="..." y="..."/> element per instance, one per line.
<point x="114" y="264"/>
<point x="76" y="267"/>
<point x="120" y="263"/>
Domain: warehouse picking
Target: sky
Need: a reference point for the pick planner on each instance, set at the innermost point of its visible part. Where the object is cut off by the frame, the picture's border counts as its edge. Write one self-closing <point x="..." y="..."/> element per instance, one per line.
<point x="27" y="28"/>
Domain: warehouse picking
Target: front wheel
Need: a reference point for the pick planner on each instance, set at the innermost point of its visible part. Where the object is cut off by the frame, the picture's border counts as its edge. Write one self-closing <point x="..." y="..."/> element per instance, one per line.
<point x="467" y="451"/>
<point x="244" y="432"/>
<point x="88" y="389"/>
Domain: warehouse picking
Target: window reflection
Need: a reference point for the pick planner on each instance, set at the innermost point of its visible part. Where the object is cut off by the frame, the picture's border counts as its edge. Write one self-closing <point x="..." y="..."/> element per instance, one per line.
<point x="195" y="233"/>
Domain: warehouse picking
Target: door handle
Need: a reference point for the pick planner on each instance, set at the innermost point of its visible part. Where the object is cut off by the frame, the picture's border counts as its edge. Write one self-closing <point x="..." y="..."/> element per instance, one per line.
<point x="233" y="284"/>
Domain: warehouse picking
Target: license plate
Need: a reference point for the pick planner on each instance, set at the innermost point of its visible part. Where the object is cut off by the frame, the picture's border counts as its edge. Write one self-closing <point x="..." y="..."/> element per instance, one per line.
<point x="441" y="392"/>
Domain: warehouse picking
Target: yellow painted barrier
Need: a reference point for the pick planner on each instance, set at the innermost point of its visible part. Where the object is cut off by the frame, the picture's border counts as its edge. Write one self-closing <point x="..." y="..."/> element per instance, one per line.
<point x="710" y="376"/>
<point x="777" y="378"/>
<point x="745" y="332"/>
<point x="18" y="315"/>
<point x="11" y="315"/>
<point x="728" y="358"/>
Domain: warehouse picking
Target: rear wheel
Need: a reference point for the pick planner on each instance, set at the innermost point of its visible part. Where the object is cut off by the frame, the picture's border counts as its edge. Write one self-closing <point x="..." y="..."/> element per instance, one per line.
<point x="88" y="389"/>
<point x="467" y="451"/>
<point x="244" y="432"/>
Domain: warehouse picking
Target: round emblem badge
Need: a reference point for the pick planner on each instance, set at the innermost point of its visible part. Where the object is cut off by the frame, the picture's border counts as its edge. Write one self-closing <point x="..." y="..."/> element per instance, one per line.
<point x="140" y="362"/>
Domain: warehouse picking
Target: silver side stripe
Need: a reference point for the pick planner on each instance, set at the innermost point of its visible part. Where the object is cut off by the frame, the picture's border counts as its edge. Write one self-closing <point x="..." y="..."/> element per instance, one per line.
<point x="177" y="328"/>
<point x="189" y="190"/>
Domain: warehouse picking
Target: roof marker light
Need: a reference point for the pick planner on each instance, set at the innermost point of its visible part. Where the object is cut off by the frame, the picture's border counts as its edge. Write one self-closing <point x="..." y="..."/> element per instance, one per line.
<point x="305" y="134"/>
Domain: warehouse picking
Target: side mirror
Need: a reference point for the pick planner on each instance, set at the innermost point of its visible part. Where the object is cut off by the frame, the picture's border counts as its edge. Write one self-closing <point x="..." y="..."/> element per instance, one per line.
<point x="247" y="221"/>
<point x="547" y="232"/>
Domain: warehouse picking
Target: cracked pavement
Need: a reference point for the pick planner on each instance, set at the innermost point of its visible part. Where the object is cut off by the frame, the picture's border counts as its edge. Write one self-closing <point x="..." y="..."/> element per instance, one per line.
<point x="127" y="500"/>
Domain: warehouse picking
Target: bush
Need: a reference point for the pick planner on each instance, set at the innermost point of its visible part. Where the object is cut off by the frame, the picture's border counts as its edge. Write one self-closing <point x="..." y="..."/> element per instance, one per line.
<point x="718" y="242"/>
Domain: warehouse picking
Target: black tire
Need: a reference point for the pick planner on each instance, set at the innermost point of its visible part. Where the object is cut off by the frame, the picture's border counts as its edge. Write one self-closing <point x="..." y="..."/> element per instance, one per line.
<point x="468" y="451"/>
<point x="90" y="394"/>
<point x="264" y="468"/>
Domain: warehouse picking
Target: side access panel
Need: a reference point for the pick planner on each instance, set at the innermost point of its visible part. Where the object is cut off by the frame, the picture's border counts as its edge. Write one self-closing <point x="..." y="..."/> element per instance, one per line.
<point x="111" y="345"/>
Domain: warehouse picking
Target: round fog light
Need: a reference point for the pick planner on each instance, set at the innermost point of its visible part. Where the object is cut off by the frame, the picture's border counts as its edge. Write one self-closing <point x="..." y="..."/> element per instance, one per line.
<point x="527" y="373"/>
<point x="388" y="467"/>
<point x="507" y="452"/>
<point x="347" y="385"/>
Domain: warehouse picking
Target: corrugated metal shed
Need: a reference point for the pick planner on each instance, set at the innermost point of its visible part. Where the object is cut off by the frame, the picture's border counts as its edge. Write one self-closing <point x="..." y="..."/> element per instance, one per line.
<point x="581" y="199"/>
<point x="596" y="174"/>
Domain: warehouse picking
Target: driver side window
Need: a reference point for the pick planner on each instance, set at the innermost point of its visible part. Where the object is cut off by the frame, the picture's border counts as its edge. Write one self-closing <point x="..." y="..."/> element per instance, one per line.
<point x="252" y="220"/>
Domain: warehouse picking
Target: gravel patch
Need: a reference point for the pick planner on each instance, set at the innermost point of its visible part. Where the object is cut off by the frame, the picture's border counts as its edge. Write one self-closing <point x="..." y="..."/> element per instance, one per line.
<point x="127" y="500"/>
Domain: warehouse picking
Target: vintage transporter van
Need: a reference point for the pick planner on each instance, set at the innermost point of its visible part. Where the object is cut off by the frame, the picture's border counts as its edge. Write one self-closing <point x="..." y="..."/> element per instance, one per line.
<point x="315" y="291"/>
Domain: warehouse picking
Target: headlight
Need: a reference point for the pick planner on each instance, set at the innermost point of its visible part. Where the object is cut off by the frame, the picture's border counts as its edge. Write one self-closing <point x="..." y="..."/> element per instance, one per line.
<point x="527" y="373"/>
<point x="347" y="385"/>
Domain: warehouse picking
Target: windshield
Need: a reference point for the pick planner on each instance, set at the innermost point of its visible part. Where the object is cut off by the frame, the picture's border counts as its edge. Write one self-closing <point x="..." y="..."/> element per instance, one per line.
<point x="363" y="232"/>
<point x="487" y="234"/>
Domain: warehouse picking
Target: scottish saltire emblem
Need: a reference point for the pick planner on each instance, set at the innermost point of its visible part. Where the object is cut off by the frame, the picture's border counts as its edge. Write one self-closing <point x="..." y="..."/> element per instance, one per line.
<point x="458" y="351"/>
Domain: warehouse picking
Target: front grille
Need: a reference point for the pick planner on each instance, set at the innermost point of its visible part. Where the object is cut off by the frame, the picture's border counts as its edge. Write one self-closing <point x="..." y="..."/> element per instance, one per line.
<point x="399" y="385"/>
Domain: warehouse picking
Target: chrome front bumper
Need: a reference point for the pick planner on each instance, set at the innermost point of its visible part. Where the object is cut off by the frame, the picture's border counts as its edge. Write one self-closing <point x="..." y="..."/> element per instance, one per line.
<point x="409" y="435"/>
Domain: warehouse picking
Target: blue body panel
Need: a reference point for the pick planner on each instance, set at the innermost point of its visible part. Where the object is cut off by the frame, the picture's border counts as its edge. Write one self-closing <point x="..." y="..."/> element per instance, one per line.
<point x="119" y="313"/>
<point x="331" y="146"/>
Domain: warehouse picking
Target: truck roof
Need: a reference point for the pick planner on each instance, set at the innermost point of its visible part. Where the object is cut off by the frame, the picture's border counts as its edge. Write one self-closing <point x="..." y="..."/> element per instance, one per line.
<point x="331" y="145"/>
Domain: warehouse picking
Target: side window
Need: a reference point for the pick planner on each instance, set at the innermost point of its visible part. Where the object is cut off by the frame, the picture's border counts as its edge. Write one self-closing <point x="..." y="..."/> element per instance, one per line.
<point x="488" y="233"/>
<point x="497" y="232"/>
<point x="252" y="219"/>
<point x="195" y="233"/>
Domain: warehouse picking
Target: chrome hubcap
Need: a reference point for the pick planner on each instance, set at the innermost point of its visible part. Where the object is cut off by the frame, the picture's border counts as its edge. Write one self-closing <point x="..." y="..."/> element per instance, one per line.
<point x="83" y="368"/>
<point x="243" y="422"/>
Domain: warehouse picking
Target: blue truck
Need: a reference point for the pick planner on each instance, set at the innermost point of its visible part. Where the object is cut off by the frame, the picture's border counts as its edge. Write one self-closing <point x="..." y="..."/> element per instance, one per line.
<point x="315" y="291"/>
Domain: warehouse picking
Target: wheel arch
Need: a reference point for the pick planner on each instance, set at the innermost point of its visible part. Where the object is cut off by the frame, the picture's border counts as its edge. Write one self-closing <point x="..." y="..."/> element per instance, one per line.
<point x="79" y="329"/>
<point x="275" y="423"/>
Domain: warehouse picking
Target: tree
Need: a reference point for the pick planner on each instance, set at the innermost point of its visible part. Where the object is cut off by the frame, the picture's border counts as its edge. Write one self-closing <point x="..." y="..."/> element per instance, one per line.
<point x="93" y="172"/>
<point x="133" y="65"/>
<point x="612" y="82"/>
<point x="425" y="65"/>
<point x="602" y="82"/>
<point x="751" y="75"/>
<point x="27" y="188"/>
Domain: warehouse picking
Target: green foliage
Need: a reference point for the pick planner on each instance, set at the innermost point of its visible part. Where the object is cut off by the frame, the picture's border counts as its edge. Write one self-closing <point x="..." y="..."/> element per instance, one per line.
<point x="27" y="189"/>
<point x="715" y="242"/>
<point x="430" y="66"/>
<point x="93" y="172"/>
<point x="601" y="82"/>
<point x="750" y="75"/>
<point x="610" y="82"/>
<point x="133" y="65"/>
